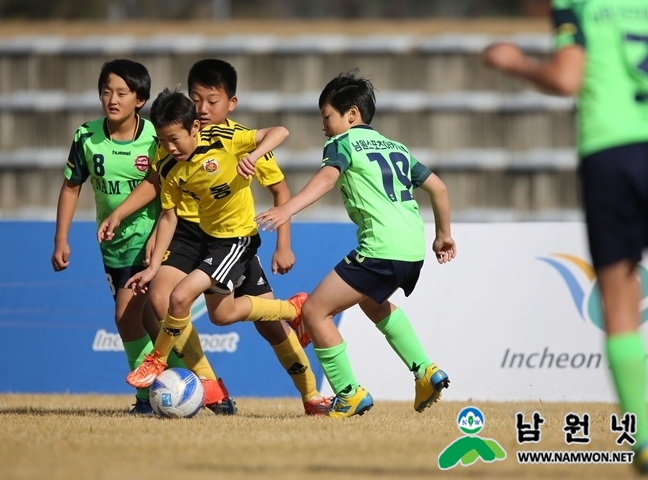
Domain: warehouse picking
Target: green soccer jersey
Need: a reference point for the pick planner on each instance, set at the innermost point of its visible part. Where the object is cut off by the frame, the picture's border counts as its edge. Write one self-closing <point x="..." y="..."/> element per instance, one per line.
<point x="377" y="176"/>
<point x="115" y="169"/>
<point x="613" y="102"/>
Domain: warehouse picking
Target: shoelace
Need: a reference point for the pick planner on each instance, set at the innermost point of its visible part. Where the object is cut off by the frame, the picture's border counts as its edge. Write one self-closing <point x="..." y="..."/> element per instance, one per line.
<point x="150" y="364"/>
<point x="334" y="404"/>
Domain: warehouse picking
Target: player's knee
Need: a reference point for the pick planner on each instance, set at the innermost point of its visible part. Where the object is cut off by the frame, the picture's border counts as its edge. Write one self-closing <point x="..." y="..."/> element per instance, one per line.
<point x="220" y="320"/>
<point x="179" y="302"/>
<point x="309" y="311"/>
<point x="159" y="302"/>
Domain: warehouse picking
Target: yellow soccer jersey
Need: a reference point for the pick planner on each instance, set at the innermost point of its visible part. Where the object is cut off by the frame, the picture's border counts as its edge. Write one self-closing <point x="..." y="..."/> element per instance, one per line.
<point x="267" y="171"/>
<point x="225" y="206"/>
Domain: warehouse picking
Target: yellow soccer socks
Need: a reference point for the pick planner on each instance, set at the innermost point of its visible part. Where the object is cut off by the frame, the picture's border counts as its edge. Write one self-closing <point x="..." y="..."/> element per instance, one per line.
<point x="292" y="357"/>
<point x="172" y="329"/>
<point x="189" y="349"/>
<point x="267" y="310"/>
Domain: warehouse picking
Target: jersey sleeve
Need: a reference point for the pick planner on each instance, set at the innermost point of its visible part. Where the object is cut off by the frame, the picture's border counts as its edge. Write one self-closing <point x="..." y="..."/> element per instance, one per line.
<point x="76" y="169"/>
<point x="161" y="159"/>
<point x="240" y="143"/>
<point x="566" y="24"/>
<point x="170" y="191"/>
<point x="267" y="170"/>
<point x="419" y="173"/>
<point x="334" y="156"/>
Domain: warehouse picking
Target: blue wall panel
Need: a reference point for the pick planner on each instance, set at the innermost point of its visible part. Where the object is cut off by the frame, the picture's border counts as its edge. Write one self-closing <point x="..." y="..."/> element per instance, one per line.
<point x="50" y="320"/>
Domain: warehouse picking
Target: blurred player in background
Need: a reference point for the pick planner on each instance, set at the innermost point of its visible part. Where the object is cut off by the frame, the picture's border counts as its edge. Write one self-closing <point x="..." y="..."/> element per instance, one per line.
<point x="376" y="177"/>
<point x="212" y="87"/>
<point x="115" y="153"/>
<point x="601" y="56"/>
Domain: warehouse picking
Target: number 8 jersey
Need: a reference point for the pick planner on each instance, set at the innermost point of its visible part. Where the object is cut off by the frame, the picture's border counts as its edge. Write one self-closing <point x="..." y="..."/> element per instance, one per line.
<point x="115" y="168"/>
<point x="377" y="176"/>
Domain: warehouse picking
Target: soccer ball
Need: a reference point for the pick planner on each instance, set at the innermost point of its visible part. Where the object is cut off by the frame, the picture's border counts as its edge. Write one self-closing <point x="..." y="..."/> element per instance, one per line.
<point x="176" y="393"/>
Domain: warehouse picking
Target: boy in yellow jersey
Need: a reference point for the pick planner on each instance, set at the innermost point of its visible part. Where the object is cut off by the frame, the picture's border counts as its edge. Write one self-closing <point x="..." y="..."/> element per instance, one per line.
<point x="203" y="164"/>
<point x="212" y="87"/>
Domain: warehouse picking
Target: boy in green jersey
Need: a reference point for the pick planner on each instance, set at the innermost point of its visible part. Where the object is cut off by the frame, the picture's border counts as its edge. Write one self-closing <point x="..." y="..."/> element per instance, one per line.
<point x="376" y="177"/>
<point x="601" y="56"/>
<point x="115" y="153"/>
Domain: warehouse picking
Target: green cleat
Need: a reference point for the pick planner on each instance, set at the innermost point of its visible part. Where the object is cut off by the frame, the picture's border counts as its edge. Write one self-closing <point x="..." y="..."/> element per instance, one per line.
<point x="357" y="404"/>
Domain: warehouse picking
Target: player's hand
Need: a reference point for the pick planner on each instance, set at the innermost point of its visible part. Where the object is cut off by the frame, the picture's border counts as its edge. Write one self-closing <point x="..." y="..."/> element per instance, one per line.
<point x="283" y="260"/>
<point x="138" y="283"/>
<point x="246" y="167"/>
<point x="445" y="249"/>
<point x="106" y="230"/>
<point x="503" y="56"/>
<point x="273" y="218"/>
<point x="61" y="257"/>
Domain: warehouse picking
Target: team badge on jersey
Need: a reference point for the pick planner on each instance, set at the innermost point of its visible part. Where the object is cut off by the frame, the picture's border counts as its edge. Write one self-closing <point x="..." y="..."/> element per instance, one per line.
<point x="142" y="163"/>
<point x="211" y="166"/>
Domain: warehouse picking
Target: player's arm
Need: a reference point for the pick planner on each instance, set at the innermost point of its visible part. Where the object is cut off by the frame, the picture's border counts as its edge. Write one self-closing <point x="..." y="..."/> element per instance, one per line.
<point x="147" y="190"/>
<point x="267" y="139"/>
<point x="283" y="258"/>
<point x="67" y="203"/>
<point x="318" y="186"/>
<point x="166" y="226"/>
<point x="443" y="245"/>
<point x="562" y="72"/>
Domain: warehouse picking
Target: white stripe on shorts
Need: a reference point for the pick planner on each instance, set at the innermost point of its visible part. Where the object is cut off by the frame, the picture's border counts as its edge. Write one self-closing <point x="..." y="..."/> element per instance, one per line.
<point x="230" y="259"/>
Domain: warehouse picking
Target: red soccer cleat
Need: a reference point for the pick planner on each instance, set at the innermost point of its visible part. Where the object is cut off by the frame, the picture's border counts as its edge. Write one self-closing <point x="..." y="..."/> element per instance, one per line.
<point x="217" y="397"/>
<point x="296" y="324"/>
<point x="318" y="406"/>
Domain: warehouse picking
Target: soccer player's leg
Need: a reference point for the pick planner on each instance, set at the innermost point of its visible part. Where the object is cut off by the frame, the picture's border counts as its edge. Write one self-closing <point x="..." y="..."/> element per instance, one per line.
<point x="184" y="254"/>
<point x="392" y="322"/>
<point x="379" y="279"/>
<point x="614" y="192"/>
<point x="152" y="326"/>
<point x="293" y="359"/>
<point x="228" y="260"/>
<point x="173" y="325"/>
<point x="128" y="319"/>
<point x="332" y="296"/>
<point x="284" y="342"/>
<point x="187" y="351"/>
<point x="625" y="347"/>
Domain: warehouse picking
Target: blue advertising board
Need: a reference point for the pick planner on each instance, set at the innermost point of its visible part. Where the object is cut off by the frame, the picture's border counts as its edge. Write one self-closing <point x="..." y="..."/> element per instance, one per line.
<point x="59" y="331"/>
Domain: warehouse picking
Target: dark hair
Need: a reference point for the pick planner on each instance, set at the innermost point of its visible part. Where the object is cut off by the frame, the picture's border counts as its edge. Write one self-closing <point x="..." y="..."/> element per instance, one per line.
<point x="349" y="89"/>
<point x="133" y="73"/>
<point x="173" y="106"/>
<point x="212" y="72"/>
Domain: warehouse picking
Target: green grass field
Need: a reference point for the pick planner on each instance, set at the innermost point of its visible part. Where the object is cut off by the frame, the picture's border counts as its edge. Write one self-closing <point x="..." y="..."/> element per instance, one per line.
<point x="64" y="437"/>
